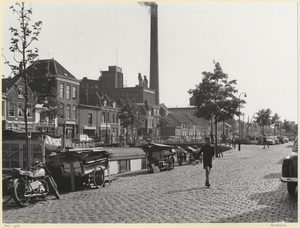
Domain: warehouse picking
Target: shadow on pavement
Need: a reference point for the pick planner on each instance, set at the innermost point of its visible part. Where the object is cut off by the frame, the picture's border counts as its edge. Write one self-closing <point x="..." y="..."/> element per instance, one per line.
<point x="187" y="190"/>
<point x="277" y="207"/>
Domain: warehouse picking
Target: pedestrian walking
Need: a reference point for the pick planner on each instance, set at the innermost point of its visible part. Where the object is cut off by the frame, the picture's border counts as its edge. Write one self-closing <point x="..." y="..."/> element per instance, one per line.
<point x="233" y="141"/>
<point x="265" y="141"/>
<point x="208" y="152"/>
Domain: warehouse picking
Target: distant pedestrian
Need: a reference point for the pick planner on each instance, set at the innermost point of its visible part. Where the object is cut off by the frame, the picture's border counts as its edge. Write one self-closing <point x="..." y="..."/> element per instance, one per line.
<point x="265" y="141"/>
<point x="233" y="142"/>
<point x="208" y="152"/>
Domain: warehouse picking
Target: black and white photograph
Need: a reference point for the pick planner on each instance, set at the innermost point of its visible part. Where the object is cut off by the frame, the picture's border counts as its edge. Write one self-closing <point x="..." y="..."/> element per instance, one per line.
<point x="160" y="113"/>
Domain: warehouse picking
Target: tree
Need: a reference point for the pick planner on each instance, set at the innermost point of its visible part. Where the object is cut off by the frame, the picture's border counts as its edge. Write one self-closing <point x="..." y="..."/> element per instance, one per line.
<point x="22" y="39"/>
<point x="164" y="120"/>
<point x="263" y="118"/>
<point x="275" y="121"/>
<point x="286" y="126"/>
<point x="215" y="97"/>
<point x="129" y="114"/>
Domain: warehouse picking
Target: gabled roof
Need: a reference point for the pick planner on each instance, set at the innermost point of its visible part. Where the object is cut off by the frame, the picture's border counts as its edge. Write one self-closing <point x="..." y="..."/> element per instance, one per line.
<point x="48" y="67"/>
<point x="95" y="99"/>
<point x="179" y="118"/>
<point x="7" y="84"/>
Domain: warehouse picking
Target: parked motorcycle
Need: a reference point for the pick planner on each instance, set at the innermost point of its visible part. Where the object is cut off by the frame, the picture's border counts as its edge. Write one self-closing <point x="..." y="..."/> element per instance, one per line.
<point x="29" y="185"/>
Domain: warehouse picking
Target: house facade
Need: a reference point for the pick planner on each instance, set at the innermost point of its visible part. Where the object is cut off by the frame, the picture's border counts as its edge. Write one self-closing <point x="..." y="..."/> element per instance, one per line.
<point x="13" y="103"/>
<point x="99" y="117"/>
<point x="50" y="76"/>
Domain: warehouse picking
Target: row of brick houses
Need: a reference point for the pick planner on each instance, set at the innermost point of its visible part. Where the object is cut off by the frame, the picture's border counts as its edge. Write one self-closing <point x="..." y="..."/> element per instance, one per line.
<point x="89" y="106"/>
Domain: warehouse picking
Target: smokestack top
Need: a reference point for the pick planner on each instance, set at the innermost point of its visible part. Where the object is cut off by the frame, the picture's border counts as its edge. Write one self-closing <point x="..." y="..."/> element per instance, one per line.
<point x="148" y="3"/>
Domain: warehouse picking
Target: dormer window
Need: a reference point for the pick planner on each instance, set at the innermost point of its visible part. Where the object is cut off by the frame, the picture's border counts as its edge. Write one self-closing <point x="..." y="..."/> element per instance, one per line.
<point x="114" y="104"/>
<point x="105" y="103"/>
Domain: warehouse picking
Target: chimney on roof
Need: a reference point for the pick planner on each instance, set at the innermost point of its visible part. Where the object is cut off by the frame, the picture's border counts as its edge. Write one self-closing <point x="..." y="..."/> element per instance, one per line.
<point x="145" y="82"/>
<point x="140" y="80"/>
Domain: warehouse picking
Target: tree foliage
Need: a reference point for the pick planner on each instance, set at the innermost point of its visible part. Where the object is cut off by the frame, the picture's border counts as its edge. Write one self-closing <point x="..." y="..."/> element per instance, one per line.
<point x="129" y="113"/>
<point x="22" y="38"/>
<point x="263" y="117"/>
<point x="215" y="96"/>
<point x="286" y="126"/>
<point x="164" y="120"/>
<point x="275" y="119"/>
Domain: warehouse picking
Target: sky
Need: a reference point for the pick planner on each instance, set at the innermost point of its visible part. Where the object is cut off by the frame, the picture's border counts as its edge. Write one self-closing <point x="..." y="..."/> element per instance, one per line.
<point x="255" y="43"/>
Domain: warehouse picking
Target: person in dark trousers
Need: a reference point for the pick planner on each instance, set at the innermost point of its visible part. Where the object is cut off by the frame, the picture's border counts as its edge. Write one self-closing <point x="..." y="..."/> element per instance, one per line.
<point x="265" y="141"/>
<point x="208" y="152"/>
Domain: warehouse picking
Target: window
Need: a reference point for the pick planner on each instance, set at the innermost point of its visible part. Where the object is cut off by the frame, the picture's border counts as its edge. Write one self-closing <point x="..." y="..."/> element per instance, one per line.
<point x="61" y="90"/>
<point x="20" y="92"/>
<point x="68" y="112"/>
<point x="29" y="111"/>
<point x="74" y="92"/>
<point x="68" y="88"/>
<point x="20" y="109"/>
<point x="11" y="111"/>
<point x="90" y="119"/>
<point x="105" y="102"/>
<point x="123" y="166"/>
<point x="74" y="112"/>
<point x="103" y="117"/>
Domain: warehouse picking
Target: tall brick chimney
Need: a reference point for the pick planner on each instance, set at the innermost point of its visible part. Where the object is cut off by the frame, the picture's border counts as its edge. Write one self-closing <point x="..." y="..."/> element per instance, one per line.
<point x="154" y="76"/>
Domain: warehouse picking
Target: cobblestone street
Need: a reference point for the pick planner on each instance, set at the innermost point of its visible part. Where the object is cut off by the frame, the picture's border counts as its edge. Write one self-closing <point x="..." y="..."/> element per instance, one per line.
<point x="245" y="188"/>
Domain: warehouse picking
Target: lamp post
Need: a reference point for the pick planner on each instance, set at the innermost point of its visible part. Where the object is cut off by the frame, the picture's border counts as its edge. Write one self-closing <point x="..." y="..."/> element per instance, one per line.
<point x="240" y="120"/>
<point x="106" y="134"/>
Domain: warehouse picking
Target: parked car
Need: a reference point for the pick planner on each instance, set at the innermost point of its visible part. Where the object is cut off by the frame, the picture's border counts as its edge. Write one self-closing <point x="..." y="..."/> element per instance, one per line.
<point x="290" y="169"/>
<point x="270" y="140"/>
<point x="83" y="138"/>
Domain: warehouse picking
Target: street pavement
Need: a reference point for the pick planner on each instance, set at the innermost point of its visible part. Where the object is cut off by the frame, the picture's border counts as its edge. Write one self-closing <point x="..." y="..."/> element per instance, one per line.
<point x="245" y="188"/>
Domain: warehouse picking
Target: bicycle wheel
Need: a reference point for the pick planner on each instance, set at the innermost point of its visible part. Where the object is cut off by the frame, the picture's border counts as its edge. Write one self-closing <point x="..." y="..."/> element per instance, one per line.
<point x="20" y="188"/>
<point x="180" y="160"/>
<point x="98" y="177"/>
<point x="6" y="190"/>
<point x="6" y="198"/>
